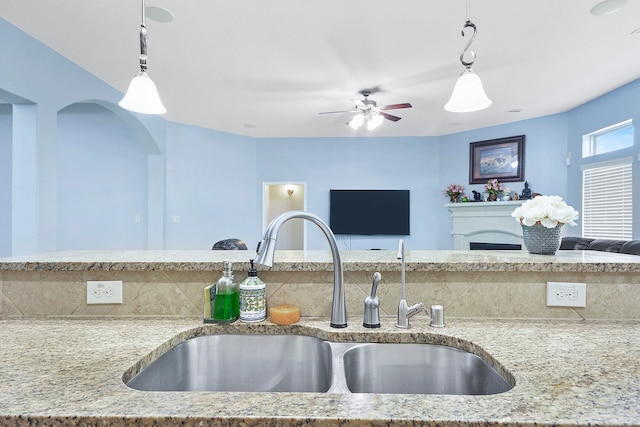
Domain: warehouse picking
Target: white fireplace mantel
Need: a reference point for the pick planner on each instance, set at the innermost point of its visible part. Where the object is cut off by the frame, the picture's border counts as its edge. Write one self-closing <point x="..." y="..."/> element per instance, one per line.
<point x="484" y="222"/>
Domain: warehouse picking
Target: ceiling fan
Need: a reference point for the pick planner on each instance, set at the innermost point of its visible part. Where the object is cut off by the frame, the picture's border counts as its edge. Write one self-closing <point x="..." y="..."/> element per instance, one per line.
<point x="369" y="111"/>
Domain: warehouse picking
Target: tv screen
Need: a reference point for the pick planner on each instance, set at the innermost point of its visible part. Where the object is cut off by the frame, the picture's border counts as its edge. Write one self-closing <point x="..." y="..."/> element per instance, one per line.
<point x="369" y="212"/>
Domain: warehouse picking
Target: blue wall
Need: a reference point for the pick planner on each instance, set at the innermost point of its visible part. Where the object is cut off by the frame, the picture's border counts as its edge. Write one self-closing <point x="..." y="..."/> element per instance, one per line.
<point x="40" y="83"/>
<point x="358" y="163"/>
<point x="88" y="169"/>
<point x="544" y="168"/>
<point x="614" y="107"/>
<point x="101" y="181"/>
<point x="210" y="188"/>
<point x="5" y="179"/>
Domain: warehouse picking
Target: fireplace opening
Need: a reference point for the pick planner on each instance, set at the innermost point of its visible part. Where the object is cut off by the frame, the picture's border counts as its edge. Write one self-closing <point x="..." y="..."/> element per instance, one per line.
<point x="481" y="246"/>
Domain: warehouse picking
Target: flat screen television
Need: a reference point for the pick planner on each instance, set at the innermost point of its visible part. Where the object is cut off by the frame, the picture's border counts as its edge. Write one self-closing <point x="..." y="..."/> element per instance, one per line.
<point x="369" y="212"/>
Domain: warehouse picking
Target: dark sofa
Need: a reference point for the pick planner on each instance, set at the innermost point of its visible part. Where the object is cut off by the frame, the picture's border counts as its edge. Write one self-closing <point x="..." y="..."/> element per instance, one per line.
<point x="631" y="247"/>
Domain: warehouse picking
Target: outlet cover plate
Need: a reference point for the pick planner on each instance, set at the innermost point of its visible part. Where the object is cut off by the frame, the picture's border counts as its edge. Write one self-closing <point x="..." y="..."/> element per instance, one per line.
<point x="566" y="294"/>
<point x="104" y="292"/>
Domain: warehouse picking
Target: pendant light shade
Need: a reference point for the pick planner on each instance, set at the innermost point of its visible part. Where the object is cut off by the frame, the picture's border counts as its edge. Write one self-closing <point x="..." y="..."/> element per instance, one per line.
<point x="468" y="94"/>
<point x="142" y="94"/>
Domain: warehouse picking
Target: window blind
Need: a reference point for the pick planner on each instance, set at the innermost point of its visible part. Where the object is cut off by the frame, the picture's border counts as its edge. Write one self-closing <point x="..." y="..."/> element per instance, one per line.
<point x="607" y="200"/>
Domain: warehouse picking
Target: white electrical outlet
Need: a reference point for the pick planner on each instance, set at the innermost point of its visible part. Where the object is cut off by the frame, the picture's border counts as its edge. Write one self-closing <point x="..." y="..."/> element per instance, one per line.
<point x="104" y="292"/>
<point x="566" y="294"/>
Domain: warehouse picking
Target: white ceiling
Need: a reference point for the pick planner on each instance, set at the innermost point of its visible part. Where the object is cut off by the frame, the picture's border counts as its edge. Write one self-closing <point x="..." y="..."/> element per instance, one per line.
<point x="266" y="68"/>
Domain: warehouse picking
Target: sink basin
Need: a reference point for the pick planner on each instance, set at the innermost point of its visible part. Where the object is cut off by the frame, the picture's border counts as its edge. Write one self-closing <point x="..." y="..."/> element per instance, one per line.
<point x="419" y="369"/>
<point x="298" y="363"/>
<point x="238" y="362"/>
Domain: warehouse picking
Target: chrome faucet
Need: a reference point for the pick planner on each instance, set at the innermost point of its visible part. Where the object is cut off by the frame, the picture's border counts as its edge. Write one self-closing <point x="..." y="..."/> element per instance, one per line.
<point x="372" y="305"/>
<point x="404" y="311"/>
<point x="267" y="248"/>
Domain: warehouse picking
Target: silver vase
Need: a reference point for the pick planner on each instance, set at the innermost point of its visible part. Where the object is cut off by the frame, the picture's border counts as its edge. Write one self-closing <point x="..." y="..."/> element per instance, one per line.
<point x="541" y="240"/>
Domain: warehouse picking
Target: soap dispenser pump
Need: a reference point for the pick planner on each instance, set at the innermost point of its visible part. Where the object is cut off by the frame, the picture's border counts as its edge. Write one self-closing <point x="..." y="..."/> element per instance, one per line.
<point x="253" y="297"/>
<point x="226" y="307"/>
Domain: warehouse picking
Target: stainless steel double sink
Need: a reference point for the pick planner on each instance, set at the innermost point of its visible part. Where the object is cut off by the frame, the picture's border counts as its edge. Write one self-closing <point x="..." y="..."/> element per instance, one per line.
<point x="298" y="363"/>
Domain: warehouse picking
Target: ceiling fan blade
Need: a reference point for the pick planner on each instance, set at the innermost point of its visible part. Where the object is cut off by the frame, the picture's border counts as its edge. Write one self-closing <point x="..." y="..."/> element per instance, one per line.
<point x="389" y="116"/>
<point x="396" y="106"/>
<point x="345" y="111"/>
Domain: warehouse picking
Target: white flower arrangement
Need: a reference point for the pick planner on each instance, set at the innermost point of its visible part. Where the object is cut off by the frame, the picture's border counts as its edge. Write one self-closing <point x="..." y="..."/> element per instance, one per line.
<point x="546" y="210"/>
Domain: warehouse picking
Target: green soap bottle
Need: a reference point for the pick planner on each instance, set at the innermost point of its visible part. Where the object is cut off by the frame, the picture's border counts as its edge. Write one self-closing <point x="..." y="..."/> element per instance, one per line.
<point x="226" y="306"/>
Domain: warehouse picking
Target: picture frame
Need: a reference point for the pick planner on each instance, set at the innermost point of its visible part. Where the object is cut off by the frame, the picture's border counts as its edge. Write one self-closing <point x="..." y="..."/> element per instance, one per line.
<point x="502" y="159"/>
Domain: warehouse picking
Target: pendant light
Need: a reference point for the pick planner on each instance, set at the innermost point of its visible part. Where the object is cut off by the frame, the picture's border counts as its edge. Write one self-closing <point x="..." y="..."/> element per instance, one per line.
<point x="142" y="95"/>
<point x="468" y="94"/>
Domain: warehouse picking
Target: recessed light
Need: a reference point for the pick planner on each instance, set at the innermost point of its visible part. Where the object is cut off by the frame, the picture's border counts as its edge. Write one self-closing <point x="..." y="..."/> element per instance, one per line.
<point x="158" y="14"/>
<point x="607" y="7"/>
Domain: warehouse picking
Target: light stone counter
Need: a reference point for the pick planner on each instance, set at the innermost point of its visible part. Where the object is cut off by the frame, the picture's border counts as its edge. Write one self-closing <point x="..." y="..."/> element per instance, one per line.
<point x="419" y="260"/>
<point x="570" y="373"/>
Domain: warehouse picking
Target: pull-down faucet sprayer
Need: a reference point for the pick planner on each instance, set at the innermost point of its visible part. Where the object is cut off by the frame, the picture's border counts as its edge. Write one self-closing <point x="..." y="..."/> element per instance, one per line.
<point x="404" y="311"/>
<point x="267" y="248"/>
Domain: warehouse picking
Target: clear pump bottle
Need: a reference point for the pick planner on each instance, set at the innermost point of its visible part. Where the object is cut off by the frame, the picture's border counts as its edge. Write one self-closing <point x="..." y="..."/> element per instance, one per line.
<point x="253" y="297"/>
<point x="226" y="307"/>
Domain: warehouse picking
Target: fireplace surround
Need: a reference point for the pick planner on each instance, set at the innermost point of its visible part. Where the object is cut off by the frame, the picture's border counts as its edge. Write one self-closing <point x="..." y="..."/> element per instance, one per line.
<point x="484" y="222"/>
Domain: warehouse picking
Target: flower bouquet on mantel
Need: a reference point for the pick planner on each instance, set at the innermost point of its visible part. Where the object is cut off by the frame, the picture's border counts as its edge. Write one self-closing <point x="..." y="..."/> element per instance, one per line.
<point x="454" y="191"/>
<point x="542" y="219"/>
<point x="493" y="188"/>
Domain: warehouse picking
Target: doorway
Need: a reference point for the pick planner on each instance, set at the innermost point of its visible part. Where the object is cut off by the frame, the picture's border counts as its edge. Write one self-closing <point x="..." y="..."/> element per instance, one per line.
<point x="281" y="197"/>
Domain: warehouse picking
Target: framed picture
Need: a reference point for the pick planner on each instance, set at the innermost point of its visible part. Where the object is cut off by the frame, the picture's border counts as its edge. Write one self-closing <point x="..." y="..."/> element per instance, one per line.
<point x="501" y="158"/>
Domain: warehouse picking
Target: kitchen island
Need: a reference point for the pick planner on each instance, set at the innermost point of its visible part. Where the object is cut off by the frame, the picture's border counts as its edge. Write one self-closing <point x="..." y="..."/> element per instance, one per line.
<point x="63" y="361"/>
<point x="69" y="372"/>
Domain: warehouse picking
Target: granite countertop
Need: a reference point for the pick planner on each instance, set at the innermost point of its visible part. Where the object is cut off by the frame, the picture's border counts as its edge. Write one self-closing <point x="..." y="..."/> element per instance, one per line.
<point x="69" y="371"/>
<point x="285" y="260"/>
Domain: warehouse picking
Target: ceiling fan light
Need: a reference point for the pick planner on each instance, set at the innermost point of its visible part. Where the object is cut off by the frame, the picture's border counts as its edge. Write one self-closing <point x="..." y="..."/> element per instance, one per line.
<point x="468" y="94"/>
<point x="356" y="121"/>
<point x="142" y="96"/>
<point x="374" y="121"/>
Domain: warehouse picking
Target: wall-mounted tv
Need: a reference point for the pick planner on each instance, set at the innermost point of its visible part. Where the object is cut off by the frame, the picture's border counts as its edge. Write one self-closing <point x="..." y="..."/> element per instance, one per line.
<point x="369" y="212"/>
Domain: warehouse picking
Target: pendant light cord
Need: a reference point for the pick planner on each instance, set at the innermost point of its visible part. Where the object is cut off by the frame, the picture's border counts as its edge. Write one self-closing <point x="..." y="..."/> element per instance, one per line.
<point x="468" y="24"/>
<point x="143" y="43"/>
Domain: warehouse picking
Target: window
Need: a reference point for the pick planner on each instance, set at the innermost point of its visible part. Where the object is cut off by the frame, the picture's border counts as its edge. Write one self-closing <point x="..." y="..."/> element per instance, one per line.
<point x="607" y="200"/>
<point x="611" y="138"/>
